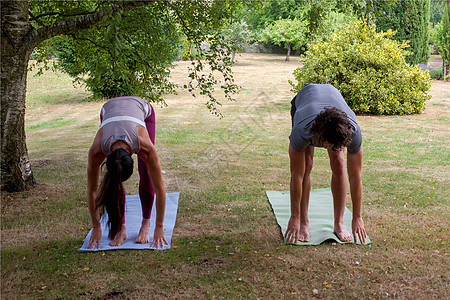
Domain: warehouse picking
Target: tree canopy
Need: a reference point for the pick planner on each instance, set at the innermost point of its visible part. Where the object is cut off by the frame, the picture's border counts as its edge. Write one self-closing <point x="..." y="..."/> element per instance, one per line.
<point x="410" y="21"/>
<point x="237" y="37"/>
<point x="291" y="34"/>
<point x="134" y="50"/>
<point x="436" y="10"/>
<point x="443" y="40"/>
<point x="314" y="12"/>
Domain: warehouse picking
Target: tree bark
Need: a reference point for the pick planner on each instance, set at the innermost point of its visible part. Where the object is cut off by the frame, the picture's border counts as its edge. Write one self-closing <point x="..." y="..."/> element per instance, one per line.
<point x="446" y="71"/>
<point x="18" y="39"/>
<point x="446" y="64"/>
<point x="288" y="51"/>
<point x="16" y="172"/>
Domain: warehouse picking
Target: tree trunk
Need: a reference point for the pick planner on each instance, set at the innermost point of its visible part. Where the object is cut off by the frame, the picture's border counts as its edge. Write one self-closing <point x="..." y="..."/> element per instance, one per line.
<point x="16" y="172"/>
<point x="446" y="71"/>
<point x="288" y="51"/>
<point x="233" y="55"/>
<point x="447" y="65"/>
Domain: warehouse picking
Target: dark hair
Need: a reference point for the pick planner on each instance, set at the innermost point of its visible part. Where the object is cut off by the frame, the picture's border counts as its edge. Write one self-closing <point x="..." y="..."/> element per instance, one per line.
<point x="111" y="195"/>
<point x="333" y="126"/>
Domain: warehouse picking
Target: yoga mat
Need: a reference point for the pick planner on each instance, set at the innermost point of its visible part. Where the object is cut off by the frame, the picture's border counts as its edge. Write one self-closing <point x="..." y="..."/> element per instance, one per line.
<point x="133" y="219"/>
<point x="320" y="215"/>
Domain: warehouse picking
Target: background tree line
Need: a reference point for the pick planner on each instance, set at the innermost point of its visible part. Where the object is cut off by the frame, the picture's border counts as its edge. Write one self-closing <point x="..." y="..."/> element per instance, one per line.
<point x="291" y="24"/>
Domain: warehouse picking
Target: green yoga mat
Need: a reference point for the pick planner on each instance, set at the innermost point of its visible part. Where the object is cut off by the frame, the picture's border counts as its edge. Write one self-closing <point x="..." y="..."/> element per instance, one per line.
<point x="320" y="215"/>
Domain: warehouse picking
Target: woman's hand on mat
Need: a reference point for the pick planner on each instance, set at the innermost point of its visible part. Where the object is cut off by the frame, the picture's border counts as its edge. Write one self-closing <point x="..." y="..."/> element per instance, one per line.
<point x="293" y="231"/>
<point x="96" y="236"/>
<point x="358" y="229"/>
<point x="158" y="237"/>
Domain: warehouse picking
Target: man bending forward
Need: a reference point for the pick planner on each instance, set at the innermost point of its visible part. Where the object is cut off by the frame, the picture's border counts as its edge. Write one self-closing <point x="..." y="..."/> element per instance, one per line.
<point x="322" y="118"/>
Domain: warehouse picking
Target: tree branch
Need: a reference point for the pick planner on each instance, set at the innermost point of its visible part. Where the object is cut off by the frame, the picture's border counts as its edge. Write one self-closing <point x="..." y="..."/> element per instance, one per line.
<point x="75" y="37"/>
<point x="36" y="19"/>
<point x="188" y="31"/>
<point x="82" y="22"/>
<point x="60" y="14"/>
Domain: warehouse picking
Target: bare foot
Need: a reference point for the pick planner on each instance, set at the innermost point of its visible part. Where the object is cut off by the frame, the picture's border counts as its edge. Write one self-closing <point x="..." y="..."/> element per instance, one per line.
<point x="304" y="233"/>
<point x="342" y="233"/>
<point x="143" y="237"/>
<point x="120" y="237"/>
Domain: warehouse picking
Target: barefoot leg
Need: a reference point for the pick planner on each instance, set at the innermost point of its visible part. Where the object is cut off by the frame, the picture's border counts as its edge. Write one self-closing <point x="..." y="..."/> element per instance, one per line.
<point x="306" y="189"/>
<point x="304" y="233"/>
<point x="146" y="188"/>
<point x="120" y="237"/>
<point x="342" y="233"/>
<point x="339" y="191"/>
<point x="143" y="237"/>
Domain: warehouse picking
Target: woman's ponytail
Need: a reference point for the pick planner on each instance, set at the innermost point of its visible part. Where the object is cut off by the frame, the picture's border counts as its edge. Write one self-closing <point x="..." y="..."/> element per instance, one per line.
<point x="111" y="196"/>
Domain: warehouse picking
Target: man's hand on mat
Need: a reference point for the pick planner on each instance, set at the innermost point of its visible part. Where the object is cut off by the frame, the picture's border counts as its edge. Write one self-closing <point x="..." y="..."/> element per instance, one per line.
<point x="96" y="236"/>
<point x="158" y="237"/>
<point x="358" y="229"/>
<point x="292" y="231"/>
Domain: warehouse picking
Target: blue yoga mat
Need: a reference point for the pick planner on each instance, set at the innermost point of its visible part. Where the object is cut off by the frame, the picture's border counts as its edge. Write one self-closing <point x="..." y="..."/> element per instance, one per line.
<point x="320" y="215"/>
<point x="133" y="220"/>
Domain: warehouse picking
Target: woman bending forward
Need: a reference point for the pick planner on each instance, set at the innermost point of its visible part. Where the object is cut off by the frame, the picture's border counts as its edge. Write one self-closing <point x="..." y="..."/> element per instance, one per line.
<point x="127" y="127"/>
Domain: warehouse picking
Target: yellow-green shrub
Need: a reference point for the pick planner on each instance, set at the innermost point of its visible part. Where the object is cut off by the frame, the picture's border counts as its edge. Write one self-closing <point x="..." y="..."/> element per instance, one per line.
<point x="368" y="68"/>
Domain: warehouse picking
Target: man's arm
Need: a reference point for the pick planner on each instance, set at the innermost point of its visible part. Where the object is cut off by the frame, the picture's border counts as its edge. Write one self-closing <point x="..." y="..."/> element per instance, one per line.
<point x="297" y="166"/>
<point x="354" y="166"/>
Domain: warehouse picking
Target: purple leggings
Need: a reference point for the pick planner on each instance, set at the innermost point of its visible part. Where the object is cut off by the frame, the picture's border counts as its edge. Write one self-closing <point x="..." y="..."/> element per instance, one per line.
<point x="146" y="189"/>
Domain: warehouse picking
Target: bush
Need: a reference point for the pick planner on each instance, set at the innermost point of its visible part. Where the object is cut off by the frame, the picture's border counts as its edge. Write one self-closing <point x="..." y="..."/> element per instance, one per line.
<point x="368" y="68"/>
<point x="437" y="74"/>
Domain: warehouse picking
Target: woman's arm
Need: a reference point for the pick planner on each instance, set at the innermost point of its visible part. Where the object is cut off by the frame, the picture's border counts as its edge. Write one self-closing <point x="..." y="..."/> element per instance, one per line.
<point x="95" y="158"/>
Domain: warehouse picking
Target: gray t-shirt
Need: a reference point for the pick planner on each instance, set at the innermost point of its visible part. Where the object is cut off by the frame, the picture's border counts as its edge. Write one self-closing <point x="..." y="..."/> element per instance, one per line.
<point x="120" y="118"/>
<point x="309" y="102"/>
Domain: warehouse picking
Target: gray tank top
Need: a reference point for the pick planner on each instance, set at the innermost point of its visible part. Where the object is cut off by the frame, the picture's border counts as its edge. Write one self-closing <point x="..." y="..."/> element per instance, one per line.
<point x="120" y="118"/>
<point x="309" y="102"/>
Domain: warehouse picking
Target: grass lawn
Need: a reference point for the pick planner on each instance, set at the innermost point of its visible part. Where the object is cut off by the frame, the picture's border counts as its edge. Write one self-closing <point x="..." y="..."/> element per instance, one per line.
<point x="226" y="242"/>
